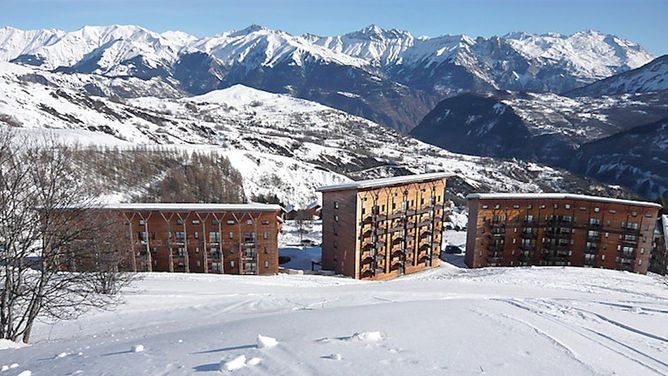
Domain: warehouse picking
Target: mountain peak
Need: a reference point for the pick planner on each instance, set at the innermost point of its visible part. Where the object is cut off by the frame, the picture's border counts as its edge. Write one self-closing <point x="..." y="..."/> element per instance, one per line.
<point x="252" y="29"/>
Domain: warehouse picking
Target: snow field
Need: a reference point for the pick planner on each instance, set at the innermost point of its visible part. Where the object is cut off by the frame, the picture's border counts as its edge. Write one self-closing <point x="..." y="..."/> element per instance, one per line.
<point x="442" y="321"/>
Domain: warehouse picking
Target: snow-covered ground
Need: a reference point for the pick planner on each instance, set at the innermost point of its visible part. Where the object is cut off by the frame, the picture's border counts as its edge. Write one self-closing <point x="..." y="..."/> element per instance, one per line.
<point x="519" y="321"/>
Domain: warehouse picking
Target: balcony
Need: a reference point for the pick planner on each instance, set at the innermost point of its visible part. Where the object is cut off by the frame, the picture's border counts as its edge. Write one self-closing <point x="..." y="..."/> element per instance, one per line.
<point x="626" y="260"/>
<point x="591" y="250"/>
<point x="424" y="223"/>
<point x="529" y="235"/>
<point x="397" y="252"/>
<point x="527" y="247"/>
<point x="368" y="257"/>
<point x="558" y="235"/>
<point x="495" y="247"/>
<point x="632" y="242"/>
<point x="248" y="256"/>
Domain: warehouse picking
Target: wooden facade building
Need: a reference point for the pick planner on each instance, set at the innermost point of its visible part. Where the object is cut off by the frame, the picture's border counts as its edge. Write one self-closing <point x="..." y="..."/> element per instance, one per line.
<point x="382" y="228"/>
<point x="200" y="238"/>
<point x="559" y="230"/>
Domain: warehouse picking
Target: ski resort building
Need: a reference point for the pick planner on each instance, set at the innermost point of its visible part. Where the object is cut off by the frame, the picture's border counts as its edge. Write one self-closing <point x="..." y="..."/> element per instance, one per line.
<point x="559" y="229"/>
<point x="200" y="238"/>
<point x="658" y="263"/>
<point x="382" y="228"/>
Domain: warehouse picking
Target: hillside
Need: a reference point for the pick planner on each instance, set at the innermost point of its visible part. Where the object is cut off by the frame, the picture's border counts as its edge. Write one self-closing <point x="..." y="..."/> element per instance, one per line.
<point x="650" y="77"/>
<point x="388" y="76"/>
<point x="280" y="144"/>
<point x="444" y="321"/>
<point x="546" y="128"/>
<point x="636" y="158"/>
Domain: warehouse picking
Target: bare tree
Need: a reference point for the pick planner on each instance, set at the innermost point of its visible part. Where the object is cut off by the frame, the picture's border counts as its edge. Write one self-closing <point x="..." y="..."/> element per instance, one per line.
<point x="37" y="182"/>
<point x="99" y="253"/>
<point x="304" y="222"/>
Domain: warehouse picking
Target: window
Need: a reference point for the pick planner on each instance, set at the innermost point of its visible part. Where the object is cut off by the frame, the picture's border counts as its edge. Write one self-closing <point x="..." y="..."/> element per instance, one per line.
<point x="497" y="206"/>
<point x="195" y="221"/>
<point x="214" y="237"/>
<point x="180" y="236"/>
<point x="529" y="206"/>
<point x="179" y="221"/>
<point x="336" y="218"/>
<point x="232" y="264"/>
<point x="485" y="206"/>
<point x="142" y="236"/>
<point x="142" y="222"/>
<point x="266" y="264"/>
<point x="265" y="235"/>
<point x="265" y="251"/>
<point x="249" y="222"/>
<point x="231" y="235"/>
<point x="336" y="204"/>
<point x="231" y="221"/>
<point x="265" y="222"/>
<point x="567" y="206"/>
<point x="215" y="222"/>
<point x="596" y="210"/>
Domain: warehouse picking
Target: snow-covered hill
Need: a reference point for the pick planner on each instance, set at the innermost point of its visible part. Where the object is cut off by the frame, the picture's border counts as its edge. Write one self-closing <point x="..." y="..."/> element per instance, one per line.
<point x="388" y="76"/>
<point x="651" y="77"/>
<point x="446" y="321"/>
<point x="281" y="145"/>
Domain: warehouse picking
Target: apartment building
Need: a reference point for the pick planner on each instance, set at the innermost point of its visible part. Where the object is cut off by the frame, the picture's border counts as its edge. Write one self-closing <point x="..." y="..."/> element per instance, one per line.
<point x="382" y="228"/>
<point x="658" y="263"/>
<point x="199" y="238"/>
<point x="560" y="230"/>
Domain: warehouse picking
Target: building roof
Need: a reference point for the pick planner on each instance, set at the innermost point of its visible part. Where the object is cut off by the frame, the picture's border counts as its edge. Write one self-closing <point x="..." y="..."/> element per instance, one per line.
<point x="192" y="207"/>
<point x="553" y="196"/>
<point x="382" y="182"/>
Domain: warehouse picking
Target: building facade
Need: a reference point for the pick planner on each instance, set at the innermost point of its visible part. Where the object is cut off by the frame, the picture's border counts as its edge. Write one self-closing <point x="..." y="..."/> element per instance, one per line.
<point x="658" y="263"/>
<point x="382" y="228"/>
<point x="199" y="238"/>
<point x="559" y="230"/>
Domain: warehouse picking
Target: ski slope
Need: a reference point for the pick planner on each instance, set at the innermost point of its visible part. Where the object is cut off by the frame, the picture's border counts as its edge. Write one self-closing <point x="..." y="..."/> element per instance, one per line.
<point x="445" y="321"/>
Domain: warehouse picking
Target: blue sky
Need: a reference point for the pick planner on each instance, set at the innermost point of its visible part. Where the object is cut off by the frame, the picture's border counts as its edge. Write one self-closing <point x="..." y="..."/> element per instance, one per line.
<point x="643" y="21"/>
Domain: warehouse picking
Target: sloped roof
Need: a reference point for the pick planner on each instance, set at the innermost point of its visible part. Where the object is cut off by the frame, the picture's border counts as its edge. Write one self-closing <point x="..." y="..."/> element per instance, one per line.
<point x="557" y="196"/>
<point x="192" y="207"/>
<point x="382" y="182"/>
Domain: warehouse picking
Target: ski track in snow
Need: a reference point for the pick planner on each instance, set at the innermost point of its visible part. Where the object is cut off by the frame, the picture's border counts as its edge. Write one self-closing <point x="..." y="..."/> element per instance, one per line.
<point x="443" y="321"/>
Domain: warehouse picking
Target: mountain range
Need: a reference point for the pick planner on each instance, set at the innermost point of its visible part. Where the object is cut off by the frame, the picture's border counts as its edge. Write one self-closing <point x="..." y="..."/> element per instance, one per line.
<point x="613" y="130"/>
<point x="281" y="145"/>
<point x="388" y="76"/>
<point x="497" y="111"/>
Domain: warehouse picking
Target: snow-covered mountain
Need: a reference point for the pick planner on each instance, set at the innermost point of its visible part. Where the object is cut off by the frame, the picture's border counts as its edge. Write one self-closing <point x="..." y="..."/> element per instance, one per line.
<point x="280" y="144"/>
<point x="651" y="77"/>
<point x="636" y="158"/>
<point x="389" y="76"/>
<point x="548" y="128"/>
